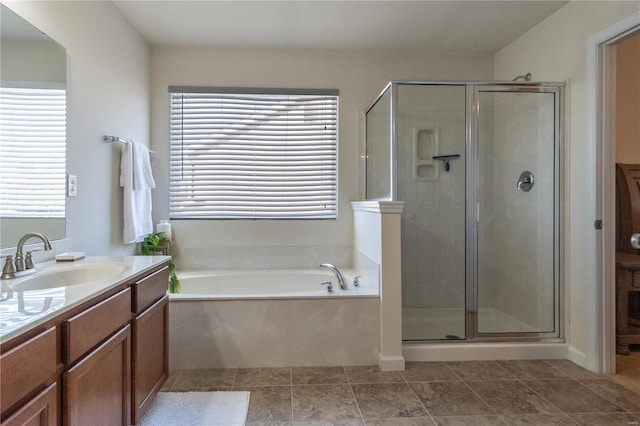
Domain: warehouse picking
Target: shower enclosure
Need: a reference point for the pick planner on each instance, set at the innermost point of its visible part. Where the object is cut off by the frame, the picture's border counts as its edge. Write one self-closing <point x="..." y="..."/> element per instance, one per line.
<point x="478" y="166"/>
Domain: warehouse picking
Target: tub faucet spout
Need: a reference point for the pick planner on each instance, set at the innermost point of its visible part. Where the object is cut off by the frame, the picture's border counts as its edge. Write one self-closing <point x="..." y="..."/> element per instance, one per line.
<point x="342" y="281"/>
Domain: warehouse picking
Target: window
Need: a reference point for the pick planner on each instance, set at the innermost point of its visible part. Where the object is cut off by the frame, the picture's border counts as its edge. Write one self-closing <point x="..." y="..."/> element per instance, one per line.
<point x="32" y="121"/>
<point x="253" y="153"/>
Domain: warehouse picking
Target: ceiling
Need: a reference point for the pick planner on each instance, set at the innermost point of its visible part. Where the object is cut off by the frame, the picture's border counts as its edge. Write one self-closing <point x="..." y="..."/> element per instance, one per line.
<point x="469" y="26"/>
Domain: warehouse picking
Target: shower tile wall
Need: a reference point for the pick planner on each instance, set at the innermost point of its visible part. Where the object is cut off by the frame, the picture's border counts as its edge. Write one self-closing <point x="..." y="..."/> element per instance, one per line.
<point x="516" y="228"/>
<point x="431" y="122"/>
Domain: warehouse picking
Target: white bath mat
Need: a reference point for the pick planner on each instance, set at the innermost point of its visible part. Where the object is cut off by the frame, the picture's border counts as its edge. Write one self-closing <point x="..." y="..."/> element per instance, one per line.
<point x="198" y="409"/>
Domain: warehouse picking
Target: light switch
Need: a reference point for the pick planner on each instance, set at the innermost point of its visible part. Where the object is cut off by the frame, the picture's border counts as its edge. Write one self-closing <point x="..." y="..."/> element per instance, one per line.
<point x="72" y="186"/>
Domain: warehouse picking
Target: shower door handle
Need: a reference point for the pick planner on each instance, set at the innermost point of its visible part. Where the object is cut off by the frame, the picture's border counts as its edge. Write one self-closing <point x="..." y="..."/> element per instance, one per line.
<point x="525" y="181"/>
<point x="635" y="241"/>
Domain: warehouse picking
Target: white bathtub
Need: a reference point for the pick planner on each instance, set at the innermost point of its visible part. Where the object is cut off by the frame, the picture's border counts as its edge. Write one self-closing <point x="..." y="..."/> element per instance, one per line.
<point x="267" y="284"/>
<point x="272" y="318"/>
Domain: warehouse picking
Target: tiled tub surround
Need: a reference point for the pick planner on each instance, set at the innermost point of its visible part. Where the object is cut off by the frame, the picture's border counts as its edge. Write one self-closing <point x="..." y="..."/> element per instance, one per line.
<point x="246" y="319"/>
<point x="536" y="392"/>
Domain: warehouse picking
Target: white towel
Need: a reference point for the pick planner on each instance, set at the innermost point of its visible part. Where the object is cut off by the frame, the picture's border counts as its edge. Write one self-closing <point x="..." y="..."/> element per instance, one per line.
<point x="137" y="202"/>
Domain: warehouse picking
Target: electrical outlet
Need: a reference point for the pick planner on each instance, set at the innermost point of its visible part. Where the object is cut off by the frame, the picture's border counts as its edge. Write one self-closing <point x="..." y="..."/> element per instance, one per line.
<point x="72" y="186"/>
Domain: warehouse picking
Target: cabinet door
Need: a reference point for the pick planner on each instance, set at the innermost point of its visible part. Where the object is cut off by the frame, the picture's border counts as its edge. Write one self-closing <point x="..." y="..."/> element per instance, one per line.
<point x="28" y="368"/>
<point x="150" y="356"/>
<point x="40" y="411"/>
<point x="97" y="390"/>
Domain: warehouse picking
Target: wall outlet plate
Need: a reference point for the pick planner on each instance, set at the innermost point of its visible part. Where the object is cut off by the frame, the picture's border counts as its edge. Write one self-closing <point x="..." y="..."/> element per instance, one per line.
<point x="72" y="186"/>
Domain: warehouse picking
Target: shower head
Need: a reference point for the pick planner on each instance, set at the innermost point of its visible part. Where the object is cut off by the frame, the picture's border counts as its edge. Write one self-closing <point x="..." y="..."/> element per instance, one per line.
<point x="526" y="77"/>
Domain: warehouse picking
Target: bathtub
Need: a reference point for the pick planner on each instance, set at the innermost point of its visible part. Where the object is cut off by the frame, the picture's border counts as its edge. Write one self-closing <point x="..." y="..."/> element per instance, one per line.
<point x="267" y="284"/>
<point x="272" y="318"/>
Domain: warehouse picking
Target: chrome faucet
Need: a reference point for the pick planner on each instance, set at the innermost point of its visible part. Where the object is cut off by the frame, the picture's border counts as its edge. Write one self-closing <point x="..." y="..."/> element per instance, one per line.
<point x="342" y="281"/>
<point x="22" y="266"/>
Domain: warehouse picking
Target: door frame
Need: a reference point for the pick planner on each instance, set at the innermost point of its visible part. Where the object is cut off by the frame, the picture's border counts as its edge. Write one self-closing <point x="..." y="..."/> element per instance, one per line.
<point x="600" y="120"/>
<point x="472" y="202"/>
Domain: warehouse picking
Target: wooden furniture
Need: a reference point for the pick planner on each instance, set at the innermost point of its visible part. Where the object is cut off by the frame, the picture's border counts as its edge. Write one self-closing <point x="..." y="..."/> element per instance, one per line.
<point x="101" y="362"/>
<point x="627" y="258"/>
<point x="627" y="206"/>
<point x="627" y="284"/>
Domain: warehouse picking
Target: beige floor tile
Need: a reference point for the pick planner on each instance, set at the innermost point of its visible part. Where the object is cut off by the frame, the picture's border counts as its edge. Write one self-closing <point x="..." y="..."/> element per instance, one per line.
<point x="469" y="421"/>
<point x="479" y="370"/>
<point x="205" y="378"/>
<point x="601" y="419"/>
<point x="385" y="400"/>
<point x="620" y="395"/>
<point x="263" y="377"/>
<point x="318" y="375"/>
<point x="372" y="374"/>
<point x="268" y="404"/>
<point x="511" y="397"/>
<point x="428" y="372"/>
<point x="404" y="421"/>
<point x="572" y="397"/>
<point x="572" y="370"/>
<point x="325" y="403"/>
<point x="532" y="369"/>
<point x="450" y="399"/>
<point x="538" y="420"/>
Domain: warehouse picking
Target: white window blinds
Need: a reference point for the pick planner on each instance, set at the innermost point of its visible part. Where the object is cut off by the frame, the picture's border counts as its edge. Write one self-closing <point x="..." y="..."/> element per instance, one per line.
<point x="253" y="153"/>
<point x="32" y="122"/>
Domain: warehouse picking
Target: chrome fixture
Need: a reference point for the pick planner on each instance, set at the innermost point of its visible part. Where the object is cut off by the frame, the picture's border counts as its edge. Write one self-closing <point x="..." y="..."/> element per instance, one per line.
<point x="526" y="77"/>
<point x="356" y="280"/>
<point x="22" y="266"/>
<point x="525" y="181"/>
<point x="635" y="241"/>
<point x="329" y="286"/>
<point x="342" y="281"/>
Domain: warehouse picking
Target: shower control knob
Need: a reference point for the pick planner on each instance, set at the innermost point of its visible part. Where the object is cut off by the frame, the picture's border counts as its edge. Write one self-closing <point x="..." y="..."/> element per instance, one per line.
<point x="635" y="241"/>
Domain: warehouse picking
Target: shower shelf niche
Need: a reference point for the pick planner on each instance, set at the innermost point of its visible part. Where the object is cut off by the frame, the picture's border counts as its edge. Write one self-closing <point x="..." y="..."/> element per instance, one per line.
<point x="425" y="146"/>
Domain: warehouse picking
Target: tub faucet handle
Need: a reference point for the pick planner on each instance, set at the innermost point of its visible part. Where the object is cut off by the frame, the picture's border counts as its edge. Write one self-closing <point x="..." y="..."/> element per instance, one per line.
<point x="329" y="286"/>
<point x="356" y="280"/>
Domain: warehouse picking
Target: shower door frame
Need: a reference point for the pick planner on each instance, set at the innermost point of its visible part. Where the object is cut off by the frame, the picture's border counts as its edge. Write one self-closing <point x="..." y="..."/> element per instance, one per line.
<point x="473" y="182"/>
<point x="471" y="195"/>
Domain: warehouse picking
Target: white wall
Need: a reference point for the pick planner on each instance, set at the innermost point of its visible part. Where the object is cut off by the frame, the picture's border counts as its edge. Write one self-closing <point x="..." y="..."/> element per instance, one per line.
<point x="108" y="93"/>
<point x="555" y="50"/>
<point x="359" y="75"/>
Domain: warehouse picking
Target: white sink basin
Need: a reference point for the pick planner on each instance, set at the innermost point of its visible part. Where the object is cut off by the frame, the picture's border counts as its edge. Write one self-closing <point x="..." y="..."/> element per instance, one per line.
<point x="69" y="276"/>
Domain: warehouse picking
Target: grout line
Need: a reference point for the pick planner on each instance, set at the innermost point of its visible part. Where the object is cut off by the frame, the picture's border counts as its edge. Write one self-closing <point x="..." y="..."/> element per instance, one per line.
<point x="291" y="391"/>
<point x="344" y="370"/>
<point x="544" y="399"/>
<point x="419" y="400"/>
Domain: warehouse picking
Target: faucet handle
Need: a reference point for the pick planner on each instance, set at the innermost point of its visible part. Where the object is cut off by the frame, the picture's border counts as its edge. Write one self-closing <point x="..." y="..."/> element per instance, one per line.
<point x="329" y="286"/>
<point x="9" y="269"/>
<point x="356" y="280"/>
<point x="28" y="259"/>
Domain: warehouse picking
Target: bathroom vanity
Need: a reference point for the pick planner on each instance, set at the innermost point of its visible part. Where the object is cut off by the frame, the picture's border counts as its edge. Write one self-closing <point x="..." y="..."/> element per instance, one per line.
<point x="86" y="353"/>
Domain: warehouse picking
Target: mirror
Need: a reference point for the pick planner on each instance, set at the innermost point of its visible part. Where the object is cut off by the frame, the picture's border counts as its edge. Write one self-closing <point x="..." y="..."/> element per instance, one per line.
<point x="32" y="131"/>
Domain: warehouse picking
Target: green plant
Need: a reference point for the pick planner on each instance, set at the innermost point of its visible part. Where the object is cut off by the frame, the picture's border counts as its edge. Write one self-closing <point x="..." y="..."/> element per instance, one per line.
<point x="157" y="243"/>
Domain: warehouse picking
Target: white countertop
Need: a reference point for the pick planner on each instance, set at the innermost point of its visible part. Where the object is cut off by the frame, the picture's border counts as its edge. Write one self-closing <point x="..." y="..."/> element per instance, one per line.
<point x="23" y="310"/>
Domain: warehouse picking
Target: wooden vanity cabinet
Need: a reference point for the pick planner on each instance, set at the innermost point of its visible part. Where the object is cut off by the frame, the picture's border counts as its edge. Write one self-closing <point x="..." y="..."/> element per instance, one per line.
<point x="97" y="390"/>
<point x="28" y="375"/>
<point x="150" y="352"/>
<point x="101" y="362"/>
<point x="42" y="410"/>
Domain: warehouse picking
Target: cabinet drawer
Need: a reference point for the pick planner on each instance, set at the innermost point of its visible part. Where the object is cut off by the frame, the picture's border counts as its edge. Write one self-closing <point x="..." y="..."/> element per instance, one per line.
<point x="635" y="282"/>
<point x="41" y="410"/>
<point x="150" y="289"/>
<point x="87" y="329"/>
<point x="27" y="367"/>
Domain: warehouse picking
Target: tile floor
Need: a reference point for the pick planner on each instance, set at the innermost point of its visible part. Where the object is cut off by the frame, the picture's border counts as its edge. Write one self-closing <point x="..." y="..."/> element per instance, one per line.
<point x="539" y="392"/>
<point x="628" y="369"/>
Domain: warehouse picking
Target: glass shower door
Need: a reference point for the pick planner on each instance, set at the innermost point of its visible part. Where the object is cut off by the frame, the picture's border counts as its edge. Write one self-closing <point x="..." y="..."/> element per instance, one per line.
<point x="517" y="211"/>
<point x="431" y="159"/>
